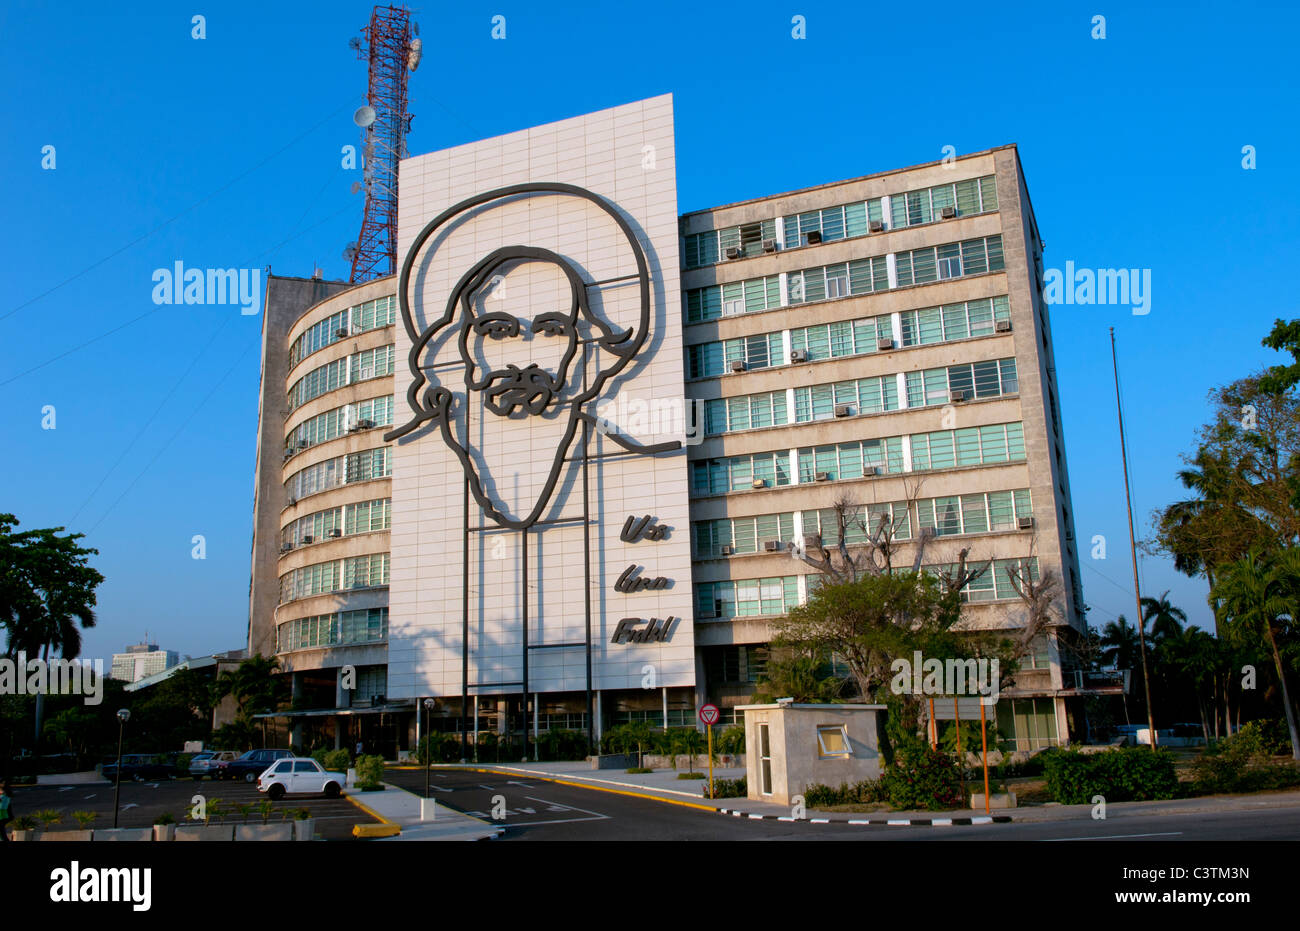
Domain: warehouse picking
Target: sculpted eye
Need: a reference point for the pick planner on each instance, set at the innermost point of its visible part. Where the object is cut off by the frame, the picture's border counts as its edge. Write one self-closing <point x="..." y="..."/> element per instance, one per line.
<point x="548" y="325"/>
<point x="497" y="326"/>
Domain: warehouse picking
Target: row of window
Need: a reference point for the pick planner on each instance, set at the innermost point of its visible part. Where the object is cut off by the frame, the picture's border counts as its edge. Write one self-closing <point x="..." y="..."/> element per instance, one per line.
<point x="876" y="394"/>
<point x="345" y="520"/>
<point x="360" y="366"/>
<point x="978" y="513"/>
<point x="371" y="315"/>
<point x="337" y="575"/>
<point x="364" y="466"/>
<point x="326" y="630"/>
<point x="994" y="582"/>
<point x="860" y="276"/>
<point x="747" y="597"/>
<point x="362" y="415"/>
<point x="744" y="535"/>
<point x="845" y="221"/>
<point x="850" y="337"/>
<point x="941" y="449"/>
<point x="735" y="665"/>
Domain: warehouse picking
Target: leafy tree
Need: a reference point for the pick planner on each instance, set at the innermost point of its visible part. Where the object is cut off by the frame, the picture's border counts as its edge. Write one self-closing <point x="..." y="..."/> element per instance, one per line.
<point x="47" y="594"/>
<point x="255" y="687"/>
<point x="1260" y="595"/>
<point x="801" y="674"/>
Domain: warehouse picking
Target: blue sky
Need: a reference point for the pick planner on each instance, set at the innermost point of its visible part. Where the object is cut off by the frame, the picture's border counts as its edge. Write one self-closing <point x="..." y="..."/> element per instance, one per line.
<point x="225" y="152"/>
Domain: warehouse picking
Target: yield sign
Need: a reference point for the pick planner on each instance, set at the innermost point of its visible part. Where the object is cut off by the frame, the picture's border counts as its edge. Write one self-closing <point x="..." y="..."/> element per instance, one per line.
<point x="709" y="714"/>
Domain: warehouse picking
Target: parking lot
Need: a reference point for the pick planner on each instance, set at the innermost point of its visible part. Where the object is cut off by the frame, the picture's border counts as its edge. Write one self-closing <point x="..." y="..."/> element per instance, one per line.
<point x="142" y="802"/>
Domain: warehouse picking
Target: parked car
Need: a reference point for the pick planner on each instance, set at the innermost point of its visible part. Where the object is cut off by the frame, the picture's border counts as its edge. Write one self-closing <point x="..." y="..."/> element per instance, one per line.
<point x="211" y="763"/>
<point x="300" y="775"/>
<point x="250" y="765"/>
<point x="140" y="767"/>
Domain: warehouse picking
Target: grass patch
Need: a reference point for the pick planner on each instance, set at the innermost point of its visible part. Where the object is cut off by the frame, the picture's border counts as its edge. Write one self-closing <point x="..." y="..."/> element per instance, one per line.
<point x="690" y="775"/>
<point x="640" y="769"/>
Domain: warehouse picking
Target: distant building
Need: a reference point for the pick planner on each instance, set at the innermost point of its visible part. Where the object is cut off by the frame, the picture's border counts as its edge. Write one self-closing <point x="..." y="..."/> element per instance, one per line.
<point x="141" y="660"/>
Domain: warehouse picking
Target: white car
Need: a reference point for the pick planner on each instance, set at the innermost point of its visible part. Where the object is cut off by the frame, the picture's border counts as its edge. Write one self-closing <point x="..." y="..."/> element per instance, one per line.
<point x="300" y="776"/>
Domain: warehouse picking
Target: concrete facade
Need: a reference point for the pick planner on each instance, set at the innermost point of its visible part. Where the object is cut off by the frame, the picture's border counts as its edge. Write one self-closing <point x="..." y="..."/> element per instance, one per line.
<point x="627" y="157"/>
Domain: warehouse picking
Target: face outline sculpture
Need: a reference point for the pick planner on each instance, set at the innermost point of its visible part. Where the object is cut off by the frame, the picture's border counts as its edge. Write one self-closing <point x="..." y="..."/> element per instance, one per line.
<point x="533" y="390"/>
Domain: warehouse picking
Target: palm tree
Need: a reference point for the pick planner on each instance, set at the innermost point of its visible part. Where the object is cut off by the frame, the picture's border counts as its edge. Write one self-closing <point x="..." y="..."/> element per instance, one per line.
<point x="1167" y="622"/>
<point x="1119" y="649"/>
<point x="1258" y="593"/>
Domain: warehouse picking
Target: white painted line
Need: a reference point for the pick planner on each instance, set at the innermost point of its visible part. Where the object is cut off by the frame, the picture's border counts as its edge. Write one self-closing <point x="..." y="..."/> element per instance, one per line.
<point x="565" y="807"/>
<point x="897" y="822"/>
<point x="756" y="817"/>
<point x="1113" y="836"/>
<point x="819" y="820"/>
<point x="783" y="818"/>
<point x="859" y="822"/>
<point x="736" y="814"/>
<point x="940" y="821"/>
<point x="982" y="819"/>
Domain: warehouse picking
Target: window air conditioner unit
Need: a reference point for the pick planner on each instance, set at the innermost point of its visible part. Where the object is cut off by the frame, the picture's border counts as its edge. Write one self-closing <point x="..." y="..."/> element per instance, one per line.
<point x="811" y="541"/>
<point x="341" y="332"/>
<point x="1025" y="523"/>
<point x="287" y="453"/>
<point x="734" y="252"/>
<point x="813" y="238"/>
<point x="871" y="470"/>
<point x="823" y="476"/>
<point x="1002" y="326"/>
<point x="365" y="424"/>
<point x="883" y="344"/>
<point x="842" y="410"/>
<point x="798" y="355"/>
<point x="957" y="396"/>
<point x="949" y="212"/>
<point x="308" y="538"/>
<point x="758" y="483"/>
<point x="726" y="549"/>
<point x="354" y="428"/>
<point x="772" y="546"/>
<point x="877" y="226"/>
<point x="769" y="245"/>
<point x="336" y="532"/>
<point x="737" y="366"/>
<point x="286" y="547"/>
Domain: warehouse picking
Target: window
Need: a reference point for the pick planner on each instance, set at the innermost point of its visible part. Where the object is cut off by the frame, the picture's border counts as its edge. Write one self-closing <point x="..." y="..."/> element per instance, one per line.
<point x="765" y="759"/>
<point x="833" y="740"/>
<point x="371" y="315"/>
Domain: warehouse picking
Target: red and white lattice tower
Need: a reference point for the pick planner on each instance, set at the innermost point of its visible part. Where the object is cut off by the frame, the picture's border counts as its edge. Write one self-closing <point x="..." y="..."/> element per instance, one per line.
<point x="393" y="51"/>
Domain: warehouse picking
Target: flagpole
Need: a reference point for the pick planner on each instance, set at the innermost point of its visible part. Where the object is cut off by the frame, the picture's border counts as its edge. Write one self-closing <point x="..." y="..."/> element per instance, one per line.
<point x="1137" y="590"/>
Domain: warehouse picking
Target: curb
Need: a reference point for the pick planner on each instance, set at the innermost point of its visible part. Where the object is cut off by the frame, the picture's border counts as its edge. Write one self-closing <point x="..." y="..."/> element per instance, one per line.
<point x="893" y="822"/>
<point x="584" y="785"/>
<point x="362" y="830"/>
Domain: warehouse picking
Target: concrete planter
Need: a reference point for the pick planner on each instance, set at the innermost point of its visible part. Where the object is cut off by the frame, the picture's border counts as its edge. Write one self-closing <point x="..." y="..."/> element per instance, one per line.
<point x="219" y="832"/>
<point x="277" y="832"/>
<point x="305" y="829"/>
<point x="164" y="832"/>
<point x="996" y="800"/>
<point x="16" y="834"/>
<point x="129" y="834"/>
<point x="81" y="836"/>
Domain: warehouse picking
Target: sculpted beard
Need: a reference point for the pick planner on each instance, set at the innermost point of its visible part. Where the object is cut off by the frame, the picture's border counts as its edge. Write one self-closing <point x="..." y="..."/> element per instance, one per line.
<point x="530" y="388"/>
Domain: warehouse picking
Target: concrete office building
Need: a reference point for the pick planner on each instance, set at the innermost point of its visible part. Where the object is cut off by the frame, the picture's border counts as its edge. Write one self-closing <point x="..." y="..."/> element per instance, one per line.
<point x="880" y="342"/>
<point x="140" y="661"/>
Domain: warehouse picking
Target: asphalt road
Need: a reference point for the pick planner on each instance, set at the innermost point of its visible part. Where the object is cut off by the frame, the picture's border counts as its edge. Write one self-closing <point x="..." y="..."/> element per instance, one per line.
<point x="143" y="801"/>
<point x="547" y="811"/>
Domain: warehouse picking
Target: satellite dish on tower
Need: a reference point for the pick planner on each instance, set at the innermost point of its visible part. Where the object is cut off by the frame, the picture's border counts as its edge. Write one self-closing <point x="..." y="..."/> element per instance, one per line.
<point x="350" y="251"/>
<point x="355" y="44"/>
<point x="364" y="116"/>
<point x="356" y="187"/>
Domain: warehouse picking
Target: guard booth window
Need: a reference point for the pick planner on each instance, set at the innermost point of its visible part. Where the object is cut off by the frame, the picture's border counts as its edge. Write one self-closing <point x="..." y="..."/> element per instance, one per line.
<point x="765" y="758"/>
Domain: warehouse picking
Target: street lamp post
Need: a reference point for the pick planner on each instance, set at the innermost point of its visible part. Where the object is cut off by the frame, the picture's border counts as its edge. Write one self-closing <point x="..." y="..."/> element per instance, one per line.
<point x="428" y="744"/>
<point x="123" y="715"/>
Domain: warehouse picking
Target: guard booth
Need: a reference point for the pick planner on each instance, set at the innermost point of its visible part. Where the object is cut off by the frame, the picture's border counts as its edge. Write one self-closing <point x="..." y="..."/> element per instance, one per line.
<point x="789" y="747"/>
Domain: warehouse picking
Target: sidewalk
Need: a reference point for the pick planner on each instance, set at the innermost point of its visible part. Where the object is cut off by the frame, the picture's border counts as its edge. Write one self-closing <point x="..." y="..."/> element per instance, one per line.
<point x="664" y="786"/>
<point x="397" y="806"/>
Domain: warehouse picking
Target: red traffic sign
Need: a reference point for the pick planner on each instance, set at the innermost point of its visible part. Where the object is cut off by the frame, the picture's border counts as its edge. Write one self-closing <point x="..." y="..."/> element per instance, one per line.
<point x="709" y="714"/>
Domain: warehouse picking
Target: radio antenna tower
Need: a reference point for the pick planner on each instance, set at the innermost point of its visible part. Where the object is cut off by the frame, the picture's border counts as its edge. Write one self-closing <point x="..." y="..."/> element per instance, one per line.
<point x="393" y="48"/>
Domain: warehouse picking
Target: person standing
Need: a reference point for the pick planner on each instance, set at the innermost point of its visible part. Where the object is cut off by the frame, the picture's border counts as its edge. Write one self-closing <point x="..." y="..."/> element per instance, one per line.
<point x="6" y="812"/>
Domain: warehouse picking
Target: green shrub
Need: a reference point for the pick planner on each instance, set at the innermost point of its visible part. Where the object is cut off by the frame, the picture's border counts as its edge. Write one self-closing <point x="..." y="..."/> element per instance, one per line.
<point x="1243" y="763"/>
<point x="728" y="788"/>
<point x="691" y="776"/>
<point x="640" y="769"/>
<point x="1269" y="735"/>
<point x="561" y="745"/>
<point x="370" y="771"/>
<point x="337" y="761"/>
<point x="923" y="778"/>
<point x="1125" y="774"/>
<point x="866" y="792"/>
<point x="439" y="747"/>
<point x="731" y="740"/>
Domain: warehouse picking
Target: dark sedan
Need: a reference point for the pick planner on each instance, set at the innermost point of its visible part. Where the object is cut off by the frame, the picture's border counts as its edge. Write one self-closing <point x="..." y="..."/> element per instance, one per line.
<point x="252" y="764"/>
